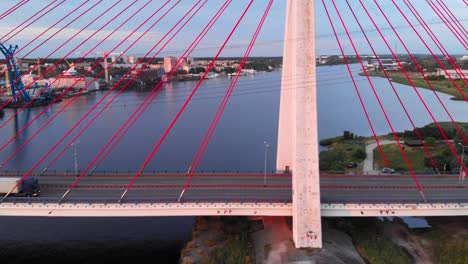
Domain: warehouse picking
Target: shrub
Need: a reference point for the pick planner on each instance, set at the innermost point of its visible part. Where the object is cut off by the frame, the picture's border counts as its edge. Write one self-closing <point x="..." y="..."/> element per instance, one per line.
<point x="430" y="141"/>
<point x="331" y="161"/>
<point x="359" y="154"/>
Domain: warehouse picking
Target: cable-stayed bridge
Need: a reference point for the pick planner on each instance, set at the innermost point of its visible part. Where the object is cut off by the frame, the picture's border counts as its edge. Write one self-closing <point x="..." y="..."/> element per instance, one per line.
<point x="297" y="189"/>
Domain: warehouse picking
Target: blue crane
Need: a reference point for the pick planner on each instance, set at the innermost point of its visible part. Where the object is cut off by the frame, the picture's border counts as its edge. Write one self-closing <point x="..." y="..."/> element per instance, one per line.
<point x="16" y="84"/>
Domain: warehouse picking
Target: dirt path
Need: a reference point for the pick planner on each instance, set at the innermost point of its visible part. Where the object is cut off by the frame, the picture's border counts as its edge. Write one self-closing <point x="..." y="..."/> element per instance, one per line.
<point x="368" y="167"/>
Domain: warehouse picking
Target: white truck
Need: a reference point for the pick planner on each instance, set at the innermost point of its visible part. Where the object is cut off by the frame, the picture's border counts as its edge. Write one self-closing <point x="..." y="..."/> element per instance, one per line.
<point x="29" y="187"/>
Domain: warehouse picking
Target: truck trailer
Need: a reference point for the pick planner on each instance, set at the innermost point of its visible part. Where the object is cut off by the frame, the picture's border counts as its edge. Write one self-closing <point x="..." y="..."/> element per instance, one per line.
<point x="28" y="188"/>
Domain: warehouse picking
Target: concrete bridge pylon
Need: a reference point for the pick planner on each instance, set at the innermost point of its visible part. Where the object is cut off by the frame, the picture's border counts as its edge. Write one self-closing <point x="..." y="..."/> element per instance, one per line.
<point x="297" y="132"/>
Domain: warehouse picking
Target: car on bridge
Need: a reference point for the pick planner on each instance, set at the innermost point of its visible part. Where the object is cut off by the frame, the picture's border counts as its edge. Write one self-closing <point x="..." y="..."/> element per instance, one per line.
<point x="388" y="170"/>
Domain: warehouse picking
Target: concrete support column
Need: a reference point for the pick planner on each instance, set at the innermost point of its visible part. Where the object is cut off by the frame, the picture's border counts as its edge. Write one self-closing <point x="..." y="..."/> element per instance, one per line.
<point x="297" y="135"/>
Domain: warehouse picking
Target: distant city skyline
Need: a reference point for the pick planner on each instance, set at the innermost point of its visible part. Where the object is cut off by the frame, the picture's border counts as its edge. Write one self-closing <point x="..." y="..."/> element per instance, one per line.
<point x="269" y="42"/>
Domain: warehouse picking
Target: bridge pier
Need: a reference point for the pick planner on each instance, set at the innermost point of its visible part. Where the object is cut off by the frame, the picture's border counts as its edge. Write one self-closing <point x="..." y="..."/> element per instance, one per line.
<point x="297" y="132"/>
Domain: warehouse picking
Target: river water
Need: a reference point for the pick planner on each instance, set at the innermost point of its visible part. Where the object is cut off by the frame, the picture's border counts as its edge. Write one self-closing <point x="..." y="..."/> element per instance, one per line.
<point x="250" y="120"/>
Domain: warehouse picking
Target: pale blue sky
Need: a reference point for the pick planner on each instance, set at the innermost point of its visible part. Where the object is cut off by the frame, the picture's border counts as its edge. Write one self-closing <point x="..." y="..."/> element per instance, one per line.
<point x="269" y="41"/>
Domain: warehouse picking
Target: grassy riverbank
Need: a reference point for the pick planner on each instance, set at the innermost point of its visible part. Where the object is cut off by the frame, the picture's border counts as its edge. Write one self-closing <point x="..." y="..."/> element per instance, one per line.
<point x="444" y="86"/>
<point x="418" y="155"/>
<point x="396" y="161"/>
<point x="342" y="151"/>
<point x="346" y="149"/>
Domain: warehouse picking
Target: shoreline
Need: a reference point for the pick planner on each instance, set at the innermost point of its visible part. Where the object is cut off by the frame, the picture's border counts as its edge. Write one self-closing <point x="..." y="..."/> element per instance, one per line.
<point x="443" y="86"/>
<point x="346" y="240"/>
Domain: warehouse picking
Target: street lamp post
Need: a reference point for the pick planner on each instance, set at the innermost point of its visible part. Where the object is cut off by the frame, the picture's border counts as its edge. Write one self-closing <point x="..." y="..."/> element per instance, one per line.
<point x="461" y="177"/>
<point x="265" y="167"/>
<point x="75" y="156"/>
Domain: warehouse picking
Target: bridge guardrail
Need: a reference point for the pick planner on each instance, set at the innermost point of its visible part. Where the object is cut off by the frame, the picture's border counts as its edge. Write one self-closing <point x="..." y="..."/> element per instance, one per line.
<point x="147" y="172"/>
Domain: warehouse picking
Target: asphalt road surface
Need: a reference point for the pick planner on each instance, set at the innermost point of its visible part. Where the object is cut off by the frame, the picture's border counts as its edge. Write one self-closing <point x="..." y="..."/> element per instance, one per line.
<point x="249" y="188"/>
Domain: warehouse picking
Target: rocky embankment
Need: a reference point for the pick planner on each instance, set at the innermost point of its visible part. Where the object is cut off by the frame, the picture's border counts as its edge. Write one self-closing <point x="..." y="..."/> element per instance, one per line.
<point x="345" y="240"/>
<point x="221" y="240"/>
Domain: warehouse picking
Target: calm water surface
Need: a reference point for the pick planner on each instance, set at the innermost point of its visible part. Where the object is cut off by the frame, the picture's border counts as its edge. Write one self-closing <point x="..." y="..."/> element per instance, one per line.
<point x="249" y="120"/>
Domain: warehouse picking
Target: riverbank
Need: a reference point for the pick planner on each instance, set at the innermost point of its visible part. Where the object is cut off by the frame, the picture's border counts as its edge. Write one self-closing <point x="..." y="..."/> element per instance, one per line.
<point x="444" y="86"/>
<point x="345" y="240"/>
<point x="361" y="155"/>
<point x="239" y="240"/>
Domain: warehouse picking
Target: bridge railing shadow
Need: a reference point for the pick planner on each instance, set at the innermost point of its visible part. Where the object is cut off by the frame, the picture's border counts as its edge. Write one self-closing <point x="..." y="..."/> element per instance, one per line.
<point x="132" y="172"/>
<point x="144" y="200"/>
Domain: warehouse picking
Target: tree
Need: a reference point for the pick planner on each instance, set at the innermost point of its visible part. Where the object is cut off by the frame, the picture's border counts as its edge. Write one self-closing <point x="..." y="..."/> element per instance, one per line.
<point x="228" y="70"/>
<point x="199" y="70"/>
<point x="430" y="141"/>
<point x="98" y="69"/>
<point x="359" y="154"/>
<point x="331" y="161"/>
<point x="347" y="135"/>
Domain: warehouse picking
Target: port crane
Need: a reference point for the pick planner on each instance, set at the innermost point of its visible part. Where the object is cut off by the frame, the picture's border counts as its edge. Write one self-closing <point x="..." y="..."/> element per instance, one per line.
<point x="71" y="70"/>
<point x="14" y="75"/>
<point x="18" y="91"/>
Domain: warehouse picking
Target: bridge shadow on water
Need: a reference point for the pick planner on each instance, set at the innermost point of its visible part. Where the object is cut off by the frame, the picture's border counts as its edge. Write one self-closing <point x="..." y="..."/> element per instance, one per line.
<point x="93" y="240"/>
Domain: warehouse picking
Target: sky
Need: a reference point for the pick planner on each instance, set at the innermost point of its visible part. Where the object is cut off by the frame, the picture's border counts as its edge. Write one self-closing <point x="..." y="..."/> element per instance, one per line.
<point x="77" y="32"/>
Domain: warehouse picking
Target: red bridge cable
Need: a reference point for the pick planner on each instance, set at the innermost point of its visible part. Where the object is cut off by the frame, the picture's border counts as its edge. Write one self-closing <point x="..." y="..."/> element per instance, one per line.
<point x="153" y="152"/>
<point x="432" y="53"/>
<point x="50" y="150"/>
<point x="406" y="74"/>
<point x="431" y="34"/>
<point x="405" y="157"/>
<point x="452" y="28"/>
<point x="71" y="100"/>
<point x="260" y="84"/>
<point x="199" y="37"/>
<point x="30" y="23"/>
<point x="416" y="130"/>
<point x="121" y="80"/>
<point x="58" y="31"/>
<point x="358" y="92"/>
<point x="214" y="122"/>
<point x="5" y="38"/>
<point x="460" y="131"/>
<point x="197" y="158"/>
<point x="13" y="9"/>
<point x="41" y="34"/>
<point x="453" y="18"/>
<point x="155" y="92"/>
<point x="258" y="87"/>
<point x="64" y="137"/>
<point x="60" y="60"/>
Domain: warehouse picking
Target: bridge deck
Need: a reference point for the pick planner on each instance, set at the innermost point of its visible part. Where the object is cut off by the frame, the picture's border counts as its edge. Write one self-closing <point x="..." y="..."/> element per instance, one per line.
<point x="239" y="194"/>
<point x="234" y="187"/>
